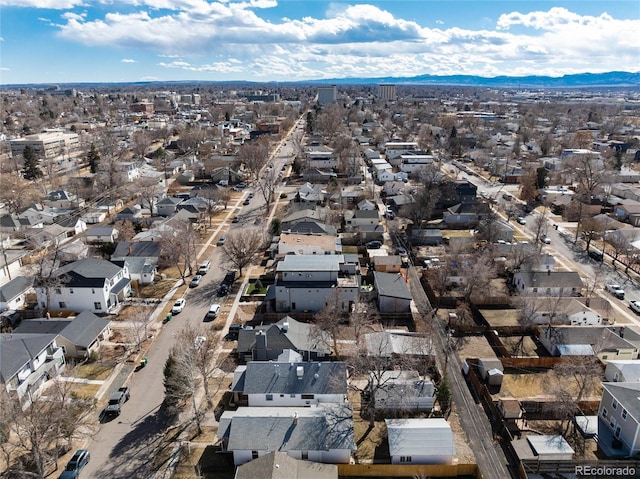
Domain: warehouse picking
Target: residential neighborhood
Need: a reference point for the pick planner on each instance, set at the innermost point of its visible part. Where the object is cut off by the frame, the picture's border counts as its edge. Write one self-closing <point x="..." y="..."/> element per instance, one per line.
<point x="437" y="283"/>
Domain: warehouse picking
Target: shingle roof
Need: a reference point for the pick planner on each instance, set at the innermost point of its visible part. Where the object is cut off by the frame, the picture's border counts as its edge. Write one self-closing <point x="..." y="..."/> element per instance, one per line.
<point x="84" y="329"/>
<point x="628" y="395"/>
<point x="15" y="287"/>
<point x="551" y="279"/>
<point x="298" y="337"/>
<point x="391" y="285"/>
<point x="282" y="378"/>
<point x="16" y="350"/>
<point x="386" y="343"/>
<point x="327" y="426"/>
<point x="279" y="465"/>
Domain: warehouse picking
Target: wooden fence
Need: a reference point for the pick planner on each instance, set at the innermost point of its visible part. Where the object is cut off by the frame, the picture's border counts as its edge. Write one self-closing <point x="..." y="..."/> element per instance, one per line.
<point x="409" y="470"/>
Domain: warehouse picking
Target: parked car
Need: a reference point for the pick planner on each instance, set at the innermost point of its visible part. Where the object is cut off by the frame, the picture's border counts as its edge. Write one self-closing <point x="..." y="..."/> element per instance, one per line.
<point x="401" y="251"/>
<point x="241" y="185"/>
<point x="79" y="459"/>
<point x="223" y="290"/>
<point x="214" y="311"/>
<point x="546" y="240"/>
<point x="195" y="281"/>
<point x="235" y="219"/>
<point x="204" y="267"/>
<point x="635" y="306"/>
<point x="616" y="290"/>
<point x="246" y="201"/>
<point x="178" y="306"/>
<point x="117" y="399"/>
<point x="221" y="241"/>
<point x="234" y="329"/>
<point x="522" y="220"/>
<point x="596" y="255"/>
<point x="374" y="244"/>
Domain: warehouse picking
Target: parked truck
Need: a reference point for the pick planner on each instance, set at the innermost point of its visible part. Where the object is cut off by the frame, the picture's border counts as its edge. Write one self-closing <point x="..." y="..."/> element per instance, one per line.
<point x="116" y="401"/>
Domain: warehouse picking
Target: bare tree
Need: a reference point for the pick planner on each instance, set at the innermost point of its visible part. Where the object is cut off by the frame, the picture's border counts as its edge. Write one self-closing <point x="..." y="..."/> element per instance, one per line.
<point x="254" y="155"/>
<point x="240" y="248"/>
<point x="268" y="184"/>
<point x="178" y="246"/>
<point x="126" y="230"/>
<point x="147" y="189"/>
<point x="16" y="194"/>
<point x="540" y="227"/>
<point x="47" y="276"/>
<point x="591" y="229"/>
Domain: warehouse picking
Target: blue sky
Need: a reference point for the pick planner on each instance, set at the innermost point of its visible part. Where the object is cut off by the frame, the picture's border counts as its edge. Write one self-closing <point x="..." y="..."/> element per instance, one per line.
<point x="58" y="41"/>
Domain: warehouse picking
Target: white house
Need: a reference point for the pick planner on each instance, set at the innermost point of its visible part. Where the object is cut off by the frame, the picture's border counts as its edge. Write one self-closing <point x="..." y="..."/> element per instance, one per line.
<point x="90" y="284"/>
<point x="309" y="244"/>
<point x="412" y="164"/>
<point x="130" y="169"/>
<point x="549" y="283"/>
<point x="289" y="384"/>
<point x="322" y="159"/>
<point x="27" y="361"/>
<point x="420" y="441"/>
<point x="304" y="283"/>
<point x="13" y="294"/>
<point x="622" y="371"/>
<point x="102" y="234"/>
<point x="322" y="433"/>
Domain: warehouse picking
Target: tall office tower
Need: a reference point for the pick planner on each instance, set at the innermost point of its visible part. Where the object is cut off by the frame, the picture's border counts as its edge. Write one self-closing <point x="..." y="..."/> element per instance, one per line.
<point x="327" y="94"/>
<point x="387" y="92"/>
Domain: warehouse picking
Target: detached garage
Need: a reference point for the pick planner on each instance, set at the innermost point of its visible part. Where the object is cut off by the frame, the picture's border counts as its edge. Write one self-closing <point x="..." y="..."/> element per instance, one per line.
<point x="420" y="441"/>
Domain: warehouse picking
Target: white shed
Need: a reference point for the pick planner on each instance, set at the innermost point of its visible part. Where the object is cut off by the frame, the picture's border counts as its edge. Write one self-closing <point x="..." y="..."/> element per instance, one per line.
<point x="420" y="441"/>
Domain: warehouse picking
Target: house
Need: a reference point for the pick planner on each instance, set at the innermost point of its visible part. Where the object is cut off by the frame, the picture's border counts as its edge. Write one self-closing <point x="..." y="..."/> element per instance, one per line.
<point x="130" y="170"/>
<point x="27" y="361"/>
<point x="309" y="244"/>
<point x="622" y="371"/>
<point x="308" y="213"/>
<point x="465" y="214"/>
<point x="79" y="337"/>
<point x="102" y="234"/>
<point x="393" y="293"/>
<point x="309" y="193"/>
<point x="94" y="216"/>
<point x="289" y="384"/>
<point x="150" y="250"/>
<point x="314" y="175"/>
<point x="573" y="310"/>
<point x="13" y="294"/>
<point x="605" y="342"/>
<point x="10" y="264"/>
<point x="322" y="433"/>
<point x="356" y="218"/>
<point x="310" y="227"/>
<point x="387" y="263"/>
<point x="63" y="199"/>
<point x="420" y="441"/>
<point x="304" y="282"/>
<point x="549" y="283"/>
<point x="89" y="284"/>
<point x="130" y="213"/>
<point x="390" y="343"/>
<point x="266" y="343"/>
<point x="413" y="164"/>
<point x="426" y="237"/>
<point x="322" y="158"/>
<point x="401" y="392"/>
<point x="279" y="465"/>
<point x="367" y="205"/>
<point x="393" y="188"/>
<point x="168" y="205"/>
<point x="384" y="175"/>
<point x="619" y="419"/>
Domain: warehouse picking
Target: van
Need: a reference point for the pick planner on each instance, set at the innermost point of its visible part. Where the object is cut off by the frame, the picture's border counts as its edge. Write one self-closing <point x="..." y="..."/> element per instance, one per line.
<point x="223" y="183"/>
<point x="214" y="311"/>
<point x="204" y="267"/>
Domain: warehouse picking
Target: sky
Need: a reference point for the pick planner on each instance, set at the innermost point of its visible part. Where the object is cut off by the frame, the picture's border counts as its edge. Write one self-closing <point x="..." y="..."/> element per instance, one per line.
<point x="68" y="41"/>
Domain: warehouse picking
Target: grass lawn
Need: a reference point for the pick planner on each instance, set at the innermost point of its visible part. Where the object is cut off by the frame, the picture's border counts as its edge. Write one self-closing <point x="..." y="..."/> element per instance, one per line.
<point x="251" y="289"/>
<point x="96" y="371"/>
<point x="85" y="391"/>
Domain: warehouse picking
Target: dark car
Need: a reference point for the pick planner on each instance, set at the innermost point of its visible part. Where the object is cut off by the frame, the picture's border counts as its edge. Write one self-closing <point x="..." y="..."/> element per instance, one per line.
<point x="74" y="466"/>
<point x="596" y="255"/>
<point x="235" y="219"/>
<point x="246" y="201"/>
<point x="223" y="290"/>
<point x="374" y="244"/>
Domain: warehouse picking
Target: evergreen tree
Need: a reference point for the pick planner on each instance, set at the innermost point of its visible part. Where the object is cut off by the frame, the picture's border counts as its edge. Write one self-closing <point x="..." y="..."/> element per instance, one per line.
<point x="93" y="157"/>
<point x="30" y="170"/>
<point x="443" y="395"/>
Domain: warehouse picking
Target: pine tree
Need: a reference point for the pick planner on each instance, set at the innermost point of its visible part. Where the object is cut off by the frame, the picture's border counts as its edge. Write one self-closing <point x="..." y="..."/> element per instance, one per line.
<point x="30" y="170"/>
<point x="93" y="157"/>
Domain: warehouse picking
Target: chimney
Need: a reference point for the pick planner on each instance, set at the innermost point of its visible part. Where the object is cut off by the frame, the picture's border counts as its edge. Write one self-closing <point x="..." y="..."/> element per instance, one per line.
<point x="261" y="340"/>
<point x="129" y="250"/>
<point x="285" y="326"/>
<point x="295" y="417"/>
<point x="300" y="372"/>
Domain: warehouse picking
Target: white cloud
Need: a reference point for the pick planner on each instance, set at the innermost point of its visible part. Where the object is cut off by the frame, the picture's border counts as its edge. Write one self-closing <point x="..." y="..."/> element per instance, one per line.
<point x="353" y="40"/>
<point x="128" y="60"/>
<point x="51" y="4"/>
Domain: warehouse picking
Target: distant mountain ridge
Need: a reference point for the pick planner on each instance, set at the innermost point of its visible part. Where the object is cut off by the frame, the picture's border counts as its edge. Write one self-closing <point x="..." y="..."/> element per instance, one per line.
<point x="579" y="80"/>
<point x="617" y="79"/>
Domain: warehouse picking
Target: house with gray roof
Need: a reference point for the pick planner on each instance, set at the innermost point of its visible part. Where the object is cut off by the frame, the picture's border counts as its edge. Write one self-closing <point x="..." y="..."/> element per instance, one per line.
<point x="605" y="342"/>
<point x="27" y="361"/>
<point x="267" y="342"/>
<point x="78" y="337"/>
<point x="310" y="227"/>
<point x="13" y="294"/>
<point x="622" y="371"/>
<point x="279" y="465"/>
<point x="168" y="205"/>
<point x="274" y="383"/>
<point x="322" y="433"/>
<point x="548" y="283"/>
<point x="102" y="234"/>
<point x="63" y="199"/>
<point x="401" y="392"/>
<point x="89" y="284"/>
<point x="619" y="419"/>
<point x="393" y="293"/>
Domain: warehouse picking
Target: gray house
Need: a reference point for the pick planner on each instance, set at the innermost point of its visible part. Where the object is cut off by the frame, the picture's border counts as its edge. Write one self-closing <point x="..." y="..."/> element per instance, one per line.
<point x="393" y="293"/>
<point x="266" y="343"/>
<point x="279" y="465"/>
<point x="619" y="419"/>
<point x="13" y="294"/>
<point x="402" y="392"/>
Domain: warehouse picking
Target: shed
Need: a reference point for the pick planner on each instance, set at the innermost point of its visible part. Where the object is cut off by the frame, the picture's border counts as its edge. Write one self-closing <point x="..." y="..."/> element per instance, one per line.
<point x="551" y="447"/>
<point x="487" y="364"/>
<point x="420" y="441"/>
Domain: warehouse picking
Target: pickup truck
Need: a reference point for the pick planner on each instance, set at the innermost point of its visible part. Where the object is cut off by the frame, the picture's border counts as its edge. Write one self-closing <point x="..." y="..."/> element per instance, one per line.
<point x="615" y="290"/>
<point x="116" y="401"/>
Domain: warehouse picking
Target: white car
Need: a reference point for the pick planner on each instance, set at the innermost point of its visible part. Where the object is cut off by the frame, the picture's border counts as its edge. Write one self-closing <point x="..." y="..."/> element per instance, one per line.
<point x="635" y="306"/>
<point x="616" y="290"/>
<point x="546" y="240"/>
<point x="198" y="342"/>
<point x="178" y="306"/>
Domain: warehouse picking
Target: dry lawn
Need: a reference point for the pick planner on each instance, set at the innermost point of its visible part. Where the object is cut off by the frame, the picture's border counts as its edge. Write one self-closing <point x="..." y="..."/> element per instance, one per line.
<point x="94" y="371"/>
<point x="539" y="383"/>
<point x="85" y="391"/>
<point x="156" y="290"/>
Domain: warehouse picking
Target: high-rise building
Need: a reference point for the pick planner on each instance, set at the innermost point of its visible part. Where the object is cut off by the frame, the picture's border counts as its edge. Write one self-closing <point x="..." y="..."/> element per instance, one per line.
<point x="327" y="94"/>
<point x="387" y="92"/>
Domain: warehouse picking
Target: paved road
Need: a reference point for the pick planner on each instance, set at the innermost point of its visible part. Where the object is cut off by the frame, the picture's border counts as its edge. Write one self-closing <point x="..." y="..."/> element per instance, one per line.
<point x="124" y="447"/>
